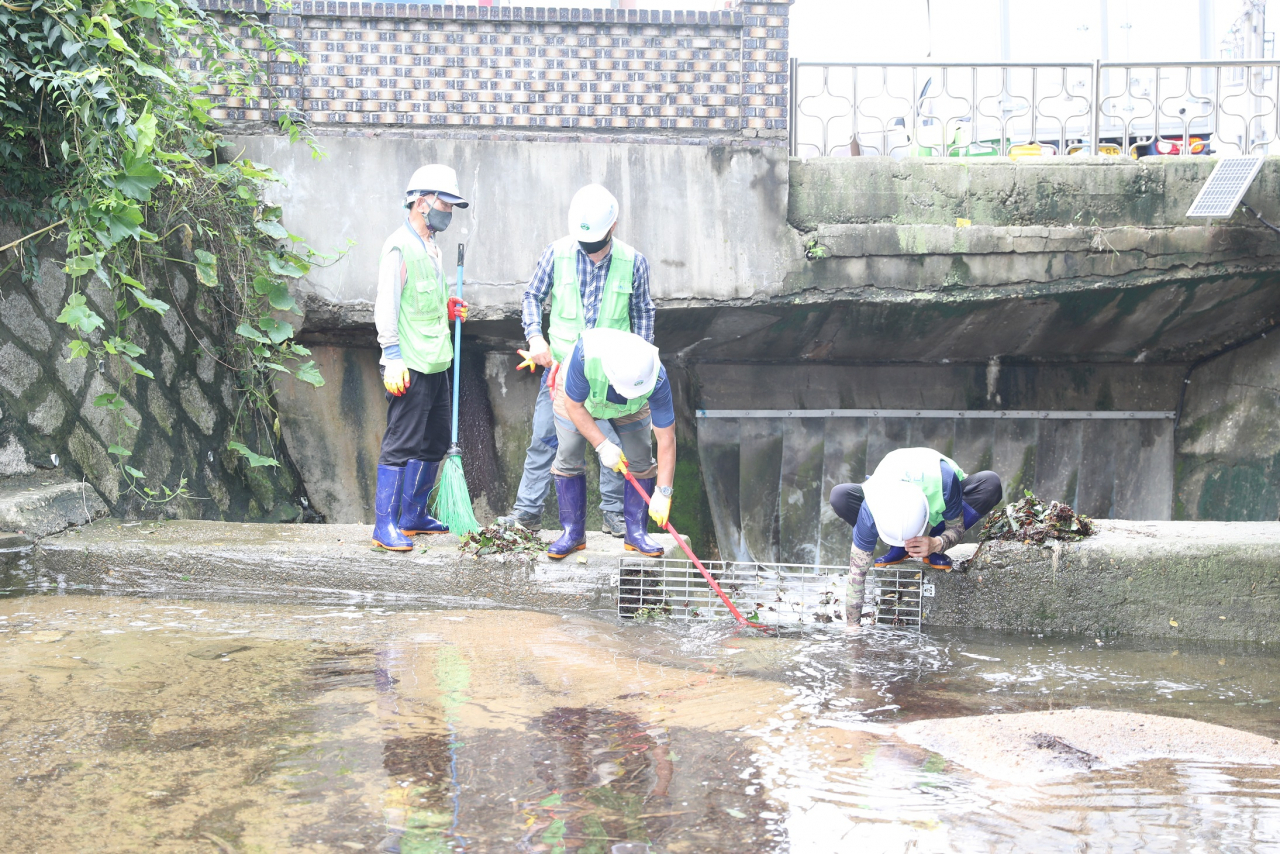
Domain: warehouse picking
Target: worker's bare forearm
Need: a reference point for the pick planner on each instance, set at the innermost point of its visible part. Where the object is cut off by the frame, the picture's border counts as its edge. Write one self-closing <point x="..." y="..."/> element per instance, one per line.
<point x="584" y="422"/>
<point x="666" y="455"/>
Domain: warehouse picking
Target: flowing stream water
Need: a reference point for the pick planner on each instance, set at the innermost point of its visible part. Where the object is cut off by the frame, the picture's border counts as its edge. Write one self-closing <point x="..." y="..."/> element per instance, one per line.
<point x="146" y="724"/>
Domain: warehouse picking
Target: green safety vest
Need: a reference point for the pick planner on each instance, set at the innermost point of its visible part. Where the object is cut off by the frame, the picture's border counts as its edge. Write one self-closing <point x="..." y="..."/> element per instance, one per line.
<point x="567" y="311"/>
<point x="920" y="466"/>
<point x="423" y="324"/>
<point x="597" y="403"/>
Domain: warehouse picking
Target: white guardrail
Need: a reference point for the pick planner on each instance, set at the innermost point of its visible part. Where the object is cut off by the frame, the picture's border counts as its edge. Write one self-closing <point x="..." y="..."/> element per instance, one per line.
<point x="1013" y="109"/>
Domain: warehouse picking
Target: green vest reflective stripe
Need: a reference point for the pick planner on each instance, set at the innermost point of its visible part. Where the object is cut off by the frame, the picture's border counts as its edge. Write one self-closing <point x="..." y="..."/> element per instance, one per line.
<point x="423" y="324"/>
<point x="567" y="311"/>
<point x="597" y="403"/>
<point x="921" y="467"/>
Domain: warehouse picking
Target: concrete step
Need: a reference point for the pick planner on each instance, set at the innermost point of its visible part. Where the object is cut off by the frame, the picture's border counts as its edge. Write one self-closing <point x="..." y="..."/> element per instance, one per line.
<point x="39" y="507"/>
<point x="334" y="562"/>
<point x="1197" y="580"/>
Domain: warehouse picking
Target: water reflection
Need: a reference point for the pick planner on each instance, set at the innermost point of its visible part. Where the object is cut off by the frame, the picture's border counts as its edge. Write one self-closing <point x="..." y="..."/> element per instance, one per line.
<point x="182" y="726"/>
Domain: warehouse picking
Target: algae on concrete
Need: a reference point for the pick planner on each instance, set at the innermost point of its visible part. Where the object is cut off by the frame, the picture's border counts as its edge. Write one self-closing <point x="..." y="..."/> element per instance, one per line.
<point x="1203" y="580"/>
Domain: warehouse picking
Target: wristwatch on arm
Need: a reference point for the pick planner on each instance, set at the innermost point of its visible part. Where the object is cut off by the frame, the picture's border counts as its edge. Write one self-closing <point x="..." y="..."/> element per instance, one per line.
<point x="665" y="491"/>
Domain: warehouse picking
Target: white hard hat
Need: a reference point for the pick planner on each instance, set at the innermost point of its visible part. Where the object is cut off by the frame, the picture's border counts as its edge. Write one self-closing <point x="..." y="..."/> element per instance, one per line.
<point x="592" y="213"/>
<point x="899" y="508"/>
<point x="630" y="362"/>
<point x="439" y="179"/>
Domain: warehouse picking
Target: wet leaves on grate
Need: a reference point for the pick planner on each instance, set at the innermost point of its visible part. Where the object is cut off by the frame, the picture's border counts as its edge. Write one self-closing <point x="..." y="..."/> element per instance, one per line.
<point x="1031" y="520"/>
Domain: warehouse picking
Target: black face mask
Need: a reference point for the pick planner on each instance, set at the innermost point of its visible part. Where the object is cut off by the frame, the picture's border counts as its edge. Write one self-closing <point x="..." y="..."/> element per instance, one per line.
<point x="593" y="248"/>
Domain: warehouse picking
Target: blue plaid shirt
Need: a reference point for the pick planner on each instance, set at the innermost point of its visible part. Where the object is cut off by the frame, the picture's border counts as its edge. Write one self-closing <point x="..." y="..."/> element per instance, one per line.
<point x="591" y="279"/>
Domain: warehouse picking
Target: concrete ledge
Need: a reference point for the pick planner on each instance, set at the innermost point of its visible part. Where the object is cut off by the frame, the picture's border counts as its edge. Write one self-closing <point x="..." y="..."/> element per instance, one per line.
<point x="1215" y="580"/>
<point x="259" y="561"/>
<point x="38" y="509"/>
<point x="1216" y="243"/>
<point x="1202" y="580"/>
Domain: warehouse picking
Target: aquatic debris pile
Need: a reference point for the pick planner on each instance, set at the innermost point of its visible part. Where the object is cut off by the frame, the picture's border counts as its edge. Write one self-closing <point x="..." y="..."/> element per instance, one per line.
<point x="499" y="539"/>
<point x="1031" y="520"/>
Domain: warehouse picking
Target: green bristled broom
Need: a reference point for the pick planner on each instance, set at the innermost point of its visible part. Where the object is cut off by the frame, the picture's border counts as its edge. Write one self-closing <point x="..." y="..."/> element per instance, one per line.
<point x="452" y="502"/>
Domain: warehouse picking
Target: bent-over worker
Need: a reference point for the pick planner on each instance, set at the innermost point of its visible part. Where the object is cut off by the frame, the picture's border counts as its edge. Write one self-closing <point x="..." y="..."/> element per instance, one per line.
<point x="920" y="502"/>
<point x="412" y="313"/>
<point x="613" y="376"/>
<point x="593" y="279"/>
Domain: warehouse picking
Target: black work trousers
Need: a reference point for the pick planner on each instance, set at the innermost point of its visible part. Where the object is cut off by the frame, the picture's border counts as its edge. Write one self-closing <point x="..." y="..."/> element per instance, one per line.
<point x="982" y="492"/>
<point x="419" y="421"/>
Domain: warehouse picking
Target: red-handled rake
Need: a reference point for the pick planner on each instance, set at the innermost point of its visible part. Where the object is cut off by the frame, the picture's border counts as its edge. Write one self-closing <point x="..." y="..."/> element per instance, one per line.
<point x="737" y="615"/>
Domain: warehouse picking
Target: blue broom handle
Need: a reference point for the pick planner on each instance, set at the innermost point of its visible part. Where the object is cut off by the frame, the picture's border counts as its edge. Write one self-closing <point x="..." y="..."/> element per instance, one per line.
<point x="457" y="346"/>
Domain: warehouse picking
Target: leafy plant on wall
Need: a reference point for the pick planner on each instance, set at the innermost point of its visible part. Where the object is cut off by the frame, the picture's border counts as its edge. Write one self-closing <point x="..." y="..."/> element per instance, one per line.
<point x="106" y="137"/>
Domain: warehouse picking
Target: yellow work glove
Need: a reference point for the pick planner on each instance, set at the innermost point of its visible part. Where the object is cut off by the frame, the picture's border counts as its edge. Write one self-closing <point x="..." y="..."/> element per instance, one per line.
<point x="659" y="508"/>
<point x="611" y="456"/>
<point x="395" y="376"/>
<point x="539" y="353"/>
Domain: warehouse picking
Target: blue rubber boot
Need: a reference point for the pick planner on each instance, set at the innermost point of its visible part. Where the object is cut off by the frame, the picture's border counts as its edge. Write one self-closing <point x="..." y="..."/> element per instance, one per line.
<point x="386" y="511"/>
<point x="571" y="492"/>
<point x="938" y="560"/>
<point x="635" y="514"/>
<point x="419" y="477"/>
<point x="896" y="554"/>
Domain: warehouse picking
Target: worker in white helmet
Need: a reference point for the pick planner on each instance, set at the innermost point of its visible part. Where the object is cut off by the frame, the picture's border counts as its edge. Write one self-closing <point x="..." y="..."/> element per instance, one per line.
<point x="412" y="312"/>
<point x="593" y="279"/>
<point x="920" y="502"/>
<point x="615" y="377"/>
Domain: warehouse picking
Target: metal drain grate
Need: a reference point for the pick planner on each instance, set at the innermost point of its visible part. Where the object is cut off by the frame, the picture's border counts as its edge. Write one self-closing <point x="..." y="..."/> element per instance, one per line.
<point x="769" y="593"/>
<point x="898" y="591"/>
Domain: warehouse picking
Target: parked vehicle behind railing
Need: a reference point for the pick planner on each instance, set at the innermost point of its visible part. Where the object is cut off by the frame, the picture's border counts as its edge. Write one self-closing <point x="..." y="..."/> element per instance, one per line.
<point x="1025" y="110"/>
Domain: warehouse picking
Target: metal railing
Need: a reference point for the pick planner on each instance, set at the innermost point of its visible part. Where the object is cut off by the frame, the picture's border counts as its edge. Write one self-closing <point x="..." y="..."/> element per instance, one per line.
<point x="1015" y="109"/>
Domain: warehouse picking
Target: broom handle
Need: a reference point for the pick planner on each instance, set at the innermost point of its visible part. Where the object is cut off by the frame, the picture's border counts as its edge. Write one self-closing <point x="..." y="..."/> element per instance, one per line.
<point x="737" y="615"/>
<point x="457" y="346"/>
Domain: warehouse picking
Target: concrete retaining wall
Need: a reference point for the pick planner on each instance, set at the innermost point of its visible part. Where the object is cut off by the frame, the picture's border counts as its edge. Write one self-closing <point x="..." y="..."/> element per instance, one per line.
<point x="1202" y="580"/>
<point x="674" y="204"/>
<point x="184" y="415"/>
<point x="787" y="466"/>
<point x="1229" y="436"/>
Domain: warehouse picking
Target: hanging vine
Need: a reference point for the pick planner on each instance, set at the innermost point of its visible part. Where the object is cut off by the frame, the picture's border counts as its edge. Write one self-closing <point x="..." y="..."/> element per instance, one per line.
<point x="106" y="138"/>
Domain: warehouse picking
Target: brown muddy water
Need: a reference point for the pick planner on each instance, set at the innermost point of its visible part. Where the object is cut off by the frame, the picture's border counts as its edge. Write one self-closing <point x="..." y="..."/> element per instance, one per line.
<point x="201" y="726"/>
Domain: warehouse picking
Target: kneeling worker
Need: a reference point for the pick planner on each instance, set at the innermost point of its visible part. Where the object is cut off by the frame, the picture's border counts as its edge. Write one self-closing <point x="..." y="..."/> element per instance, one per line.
<point x="920" y="502"/>
<point x="613" y="376"/>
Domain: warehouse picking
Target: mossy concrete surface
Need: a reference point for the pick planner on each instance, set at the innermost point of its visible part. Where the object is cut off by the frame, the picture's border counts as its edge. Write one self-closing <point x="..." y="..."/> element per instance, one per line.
<point x="1197" y="580"/>
<point x="1088" y="191"/>
<point x="327" y="562"/>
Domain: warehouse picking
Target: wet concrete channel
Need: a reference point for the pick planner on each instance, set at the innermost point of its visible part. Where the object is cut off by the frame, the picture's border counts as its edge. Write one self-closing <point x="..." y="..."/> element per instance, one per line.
<point x="179" y="724"/>
<point x="194" y="686"/>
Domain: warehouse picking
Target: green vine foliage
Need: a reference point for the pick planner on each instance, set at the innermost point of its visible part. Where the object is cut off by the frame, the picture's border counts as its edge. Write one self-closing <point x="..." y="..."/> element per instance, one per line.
<point x="105" y="137"/>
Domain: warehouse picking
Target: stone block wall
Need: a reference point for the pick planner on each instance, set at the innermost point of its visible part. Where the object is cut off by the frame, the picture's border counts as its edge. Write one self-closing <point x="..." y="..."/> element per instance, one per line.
<point x="184" y="414"/>
<point x="662" y="76"/>
<point x="1228" y="465"/>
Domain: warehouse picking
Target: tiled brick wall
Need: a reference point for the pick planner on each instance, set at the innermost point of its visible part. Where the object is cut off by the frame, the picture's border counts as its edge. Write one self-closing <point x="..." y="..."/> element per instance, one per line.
<point x="527" y="72"/>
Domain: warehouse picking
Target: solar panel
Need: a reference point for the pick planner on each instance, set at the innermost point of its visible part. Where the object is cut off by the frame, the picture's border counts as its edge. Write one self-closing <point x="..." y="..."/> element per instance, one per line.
<point x="1222" y="193"/>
